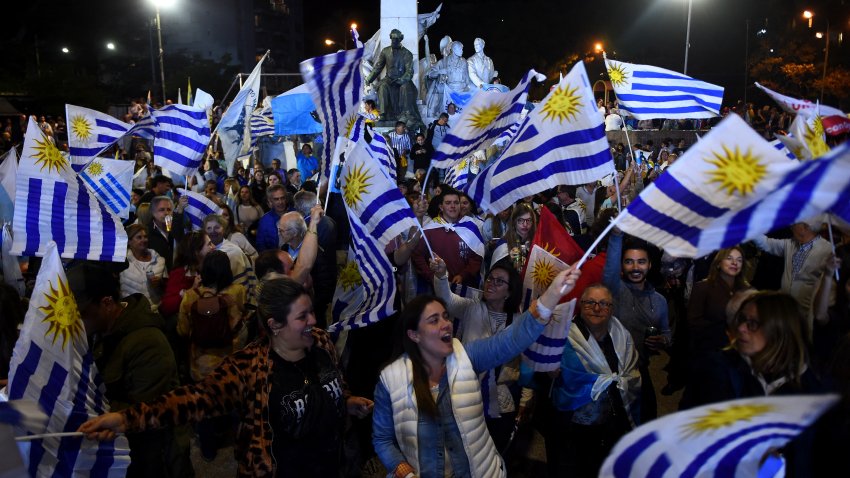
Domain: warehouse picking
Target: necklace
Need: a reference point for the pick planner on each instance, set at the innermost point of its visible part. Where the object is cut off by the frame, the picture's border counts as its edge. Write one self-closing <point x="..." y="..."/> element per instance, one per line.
<point x="294" y="364"/>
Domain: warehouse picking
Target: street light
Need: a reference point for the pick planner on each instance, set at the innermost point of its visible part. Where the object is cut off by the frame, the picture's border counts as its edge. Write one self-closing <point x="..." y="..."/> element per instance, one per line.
<point x="329" y="42"/>
<point x="352" y="27"/>
<point x="65" y="49"/>
<point x="688" y="36"/>
<point x="819" y="35"/>
<point x="808" y="16"/>
<point x="110" y="46"/>
<point x="164" y="4"/>
<point x="597" y="47"/>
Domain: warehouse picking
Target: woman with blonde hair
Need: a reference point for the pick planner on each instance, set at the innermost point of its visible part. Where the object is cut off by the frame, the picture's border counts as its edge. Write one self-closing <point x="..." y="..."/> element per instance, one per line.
<point x="146" y="270"/>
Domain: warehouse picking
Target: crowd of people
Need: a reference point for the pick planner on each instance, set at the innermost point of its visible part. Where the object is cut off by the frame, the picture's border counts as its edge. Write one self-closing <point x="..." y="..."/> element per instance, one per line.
<point x="223" y="328"/>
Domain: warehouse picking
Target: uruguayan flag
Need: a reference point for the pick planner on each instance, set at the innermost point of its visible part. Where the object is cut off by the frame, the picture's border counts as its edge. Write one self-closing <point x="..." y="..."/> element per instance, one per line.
<point x="182" y="136"/>
<point x="262" y="124"/>
<point x="8" y="175"/>
<point x="111" y="181"/>
<point x="732" y="186"/>
<point x="561" y="142"/>
<point x="648" y="92"/>
<point x="366" y="286"/>
<point x="728" y="439"/>
<point x="198" y="208"/>
<point x="53" y="366"/>
<point x="467" y="229"/>
<point x="234" y="128"/>
<point x="52" y="204"/>
<point x="483" y="119"/>
<point x="810" y="133"/>
<point x="800" y="107"/>
<point x="369" y="194"/>
<point x="144" y="128"/>
<point x="90" y="132"/>
<point x="466" y="291"/>
<point x="544" y="355"/>
<point x="458" y="173"/>
<point x="335" y="84"/>
<point x="782" y="147"/>
<point x="382" y="152"/>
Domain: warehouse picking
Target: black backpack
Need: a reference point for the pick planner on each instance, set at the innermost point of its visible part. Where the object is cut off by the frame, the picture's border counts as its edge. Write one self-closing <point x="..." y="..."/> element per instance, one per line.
<point x="210" y="321"/>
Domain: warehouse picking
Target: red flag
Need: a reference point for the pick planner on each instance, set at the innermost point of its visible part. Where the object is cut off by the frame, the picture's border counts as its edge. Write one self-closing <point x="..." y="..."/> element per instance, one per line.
<point x="552" y="237"/>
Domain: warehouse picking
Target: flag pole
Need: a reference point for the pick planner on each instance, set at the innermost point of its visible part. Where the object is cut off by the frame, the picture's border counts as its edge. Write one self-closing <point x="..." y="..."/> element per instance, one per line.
<point x="617" y="187"/>
<point x="424" y="238"/>
<point x="831" y="240"/>
<point x="596" y="242"/>
<point x="427" y="175"/>
<point x="48" y="435"/>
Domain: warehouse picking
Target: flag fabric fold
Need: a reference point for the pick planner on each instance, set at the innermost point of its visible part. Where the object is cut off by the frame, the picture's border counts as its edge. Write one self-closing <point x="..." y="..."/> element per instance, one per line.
<point x="562" y="141"/>
<point x="732" y="186"/>
<point x="111" y="181"/>
<point x="728" y="439"/>
<point x="262" y="124"/>
<point x="53" y="366"/>
<point x="182" y="134"/>
<point x="52" y="204"/>
<point x="811" y="135"/>
<point x="800" y="107"/>
<point x="90" y="132"/>
<point x="198" y="208"/>
<point x="11" y="268"/>
<point x="466" y="229"/>
<point x="487" y="115"/>
<point x="457" y="175"/>
<point x="335" y="83"/>
<point x="234" y="127"/>
<point x="648" y="92"/>
<point x="8" y="176"/>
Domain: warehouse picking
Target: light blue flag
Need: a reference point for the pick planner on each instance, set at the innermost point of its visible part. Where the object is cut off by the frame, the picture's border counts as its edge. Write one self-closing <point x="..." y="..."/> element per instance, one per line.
<point x="90" y="132"/>
<point x="53" y="366"/>
<point x="111" y="180"/>
<point x="293" y="113"/>
<point x="52" y="204"/>
<point x="485" y="117"/>
<point x="366" y="285"/>
<point x="373" y="197"/>
<point x="457" y="175"/>
<point x="182" y="136"/>
<point x="335" y="84"/>
<point x="234" y="128"/>
<point x="8" y="176"/>
<point x="649" y="92"/>
<point x="728" y="439"/>
<point x="732" y="186"/>
<point x="198" y="208"/>
<point x="562" y="141"/>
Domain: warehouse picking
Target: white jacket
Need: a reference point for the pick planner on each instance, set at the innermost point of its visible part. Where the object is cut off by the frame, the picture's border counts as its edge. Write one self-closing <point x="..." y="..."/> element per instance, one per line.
<point x="134" y="279"/>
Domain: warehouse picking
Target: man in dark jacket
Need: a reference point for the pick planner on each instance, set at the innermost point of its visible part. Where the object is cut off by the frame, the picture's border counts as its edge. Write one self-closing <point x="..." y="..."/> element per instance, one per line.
<point x="324" y="269"/>
<point x="167" y="229"/>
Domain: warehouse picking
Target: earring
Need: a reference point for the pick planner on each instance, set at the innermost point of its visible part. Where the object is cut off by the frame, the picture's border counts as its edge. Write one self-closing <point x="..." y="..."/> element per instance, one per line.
<point x="275" y="332"/>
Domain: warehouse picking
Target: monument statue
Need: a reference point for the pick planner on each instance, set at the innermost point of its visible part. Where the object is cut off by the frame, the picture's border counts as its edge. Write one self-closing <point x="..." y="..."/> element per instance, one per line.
<point x="457" y="70"/>
<point x="434" y="103"/>
<point x="481" y="69"/>
<point x="396" y="92"/>
<point x="425" y="65"/>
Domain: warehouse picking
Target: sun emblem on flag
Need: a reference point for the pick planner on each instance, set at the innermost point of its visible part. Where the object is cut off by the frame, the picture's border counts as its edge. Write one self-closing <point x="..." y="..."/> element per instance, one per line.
<point x="349" y="276"/>
<point x="814" y="138"/>
<point x="715" y="419"/>
<point x="617" y="74"/>
<point x="81" y="128"/>
<point x="542" y="274"/>
<point x="62" y="314"/>
<point x="484" y="116"/>
<point x="95" y="168"/>
<point x="551" y="249"/>
<point x="736" y="172"/>
<point x="563" y="104"/>
<point x="49" y="157"/>
<point x="356" y="185"/>
<point x="349" y="124"/>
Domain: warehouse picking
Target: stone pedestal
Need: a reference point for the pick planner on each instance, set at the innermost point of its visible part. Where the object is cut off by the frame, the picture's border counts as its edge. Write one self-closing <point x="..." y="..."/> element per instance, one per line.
<point x="401" y="14"/>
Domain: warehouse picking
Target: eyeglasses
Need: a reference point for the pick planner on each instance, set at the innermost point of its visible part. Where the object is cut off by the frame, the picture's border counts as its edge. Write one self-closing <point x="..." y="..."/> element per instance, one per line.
<point x="523" y="220"/>
<point x="752" y="324"/>
<point x="592" y="304"/>
<point x="497" y="281"/>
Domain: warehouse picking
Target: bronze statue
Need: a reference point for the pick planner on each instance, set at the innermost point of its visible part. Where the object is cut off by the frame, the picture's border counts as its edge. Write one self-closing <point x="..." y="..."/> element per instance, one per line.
<point x="396" y="91"/>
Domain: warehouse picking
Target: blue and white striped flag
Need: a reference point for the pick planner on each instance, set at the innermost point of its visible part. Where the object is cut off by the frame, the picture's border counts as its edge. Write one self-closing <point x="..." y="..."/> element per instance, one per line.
<point x="52" y="204"/>
<point x="370" y="195"/>
<point x="457" y="174"/>
<point x="466" y="291"/>
<point x="335" y="84"/>
<point x="262" y="124"/>
<point x="487" y="115"/>
<point x="366" y="286"/>
<point x="648" y="92"/>
<point x="53" y="366"/>
<point x="111" y="181"/>
<point x="467" y="229"/>
<point x="234" y="129"/>
<point x="90" y="132"/>
<point x="182" y="136"/>
<point x="507" y="135"/>
<point x="732" y="186"/>
<point x="144" y="128"/>
<point x="198" y="208"/>
<point x="728" y="439"/>
<point x="782" y="147"/>
<point x="382" y="152"/>
<point x="562" y="141"/>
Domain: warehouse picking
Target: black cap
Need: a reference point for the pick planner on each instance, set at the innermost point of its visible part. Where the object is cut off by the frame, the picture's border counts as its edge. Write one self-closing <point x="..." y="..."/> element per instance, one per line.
<point x="91" y="283"/>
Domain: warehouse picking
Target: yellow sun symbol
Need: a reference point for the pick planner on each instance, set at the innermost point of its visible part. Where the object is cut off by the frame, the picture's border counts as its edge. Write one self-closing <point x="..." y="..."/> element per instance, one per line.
<point x="542" y="274"/>
<point x="349" y="276"/>
<point x="462" y="164"/>
<point x="736" y="171"/>
<point x="814" y="138"/>
<point x="485" y="115"/>
<point x="349" y="124"/>
<point x="356" y="185"/>
<point x="48" y="156"/>
<point x="551" y="249"/>
<point x="716" y="419"/>
<point x="82" y="129"/>
<point x="563" y="104"/>
<point x="62" y="314"/>
<point x="95" y="168"/>
<point x="617" y="74"/>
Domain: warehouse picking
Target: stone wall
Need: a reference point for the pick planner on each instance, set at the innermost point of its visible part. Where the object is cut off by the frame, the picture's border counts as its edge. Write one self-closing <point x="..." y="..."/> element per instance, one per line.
<point x="657" y="136"/>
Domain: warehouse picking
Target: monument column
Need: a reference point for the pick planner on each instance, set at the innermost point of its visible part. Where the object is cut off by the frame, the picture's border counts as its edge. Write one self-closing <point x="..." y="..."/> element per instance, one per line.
<point x="401" y="14"/>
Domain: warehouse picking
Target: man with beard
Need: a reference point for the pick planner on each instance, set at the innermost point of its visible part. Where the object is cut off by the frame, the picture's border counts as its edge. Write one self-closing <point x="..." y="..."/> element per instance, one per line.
<point x="637" y="305"/>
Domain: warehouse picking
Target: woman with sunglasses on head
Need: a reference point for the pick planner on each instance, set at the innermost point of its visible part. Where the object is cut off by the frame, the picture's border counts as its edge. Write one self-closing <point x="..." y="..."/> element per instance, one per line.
<point x="768" y="355"/>
<point x="428" y="419"/>
<point x="482" y="318"/>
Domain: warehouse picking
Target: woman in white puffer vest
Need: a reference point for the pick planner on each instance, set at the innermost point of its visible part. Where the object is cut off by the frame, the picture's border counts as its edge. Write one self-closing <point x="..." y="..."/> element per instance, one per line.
<point x="146" y="269"/>
<point x="428" y="419"/>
